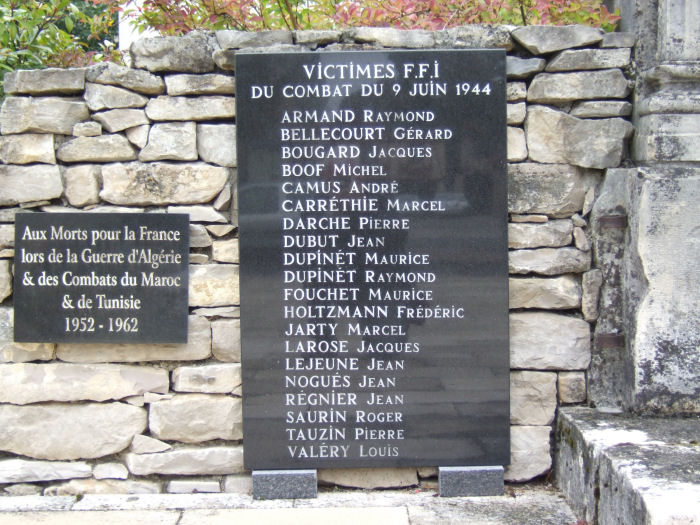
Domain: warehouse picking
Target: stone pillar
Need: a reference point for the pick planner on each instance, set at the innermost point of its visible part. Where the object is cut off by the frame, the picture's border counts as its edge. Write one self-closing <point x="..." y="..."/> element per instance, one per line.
<point x="646" y="356"/>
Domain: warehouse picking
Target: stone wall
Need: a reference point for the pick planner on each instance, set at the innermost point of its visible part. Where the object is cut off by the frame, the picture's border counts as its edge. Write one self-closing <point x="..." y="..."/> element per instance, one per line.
<point x="159" y="138"/>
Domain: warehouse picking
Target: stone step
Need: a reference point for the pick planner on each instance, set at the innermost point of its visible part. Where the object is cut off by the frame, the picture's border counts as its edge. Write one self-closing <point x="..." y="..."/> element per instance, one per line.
<point x="624" y="469"/>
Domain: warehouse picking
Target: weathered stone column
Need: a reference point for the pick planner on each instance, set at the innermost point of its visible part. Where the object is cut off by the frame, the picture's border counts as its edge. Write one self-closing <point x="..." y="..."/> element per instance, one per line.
<point x="646" y="356"/>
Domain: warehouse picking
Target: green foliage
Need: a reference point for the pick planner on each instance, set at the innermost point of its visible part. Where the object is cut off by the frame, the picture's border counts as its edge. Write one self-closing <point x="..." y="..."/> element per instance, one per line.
<point x="176" y="17"/>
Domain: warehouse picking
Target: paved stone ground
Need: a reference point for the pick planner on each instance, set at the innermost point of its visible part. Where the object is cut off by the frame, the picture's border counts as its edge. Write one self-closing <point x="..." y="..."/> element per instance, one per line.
<point x="531" y="504"/>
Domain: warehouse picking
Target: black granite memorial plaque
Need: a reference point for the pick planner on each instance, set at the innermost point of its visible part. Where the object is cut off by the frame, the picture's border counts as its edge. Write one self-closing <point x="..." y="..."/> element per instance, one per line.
<point x="374" y="280"/>
<point x="101" y="277"/>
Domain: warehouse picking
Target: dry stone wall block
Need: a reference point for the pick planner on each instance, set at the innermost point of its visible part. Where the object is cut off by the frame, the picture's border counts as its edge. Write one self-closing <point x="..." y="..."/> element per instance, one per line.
<point x="533" y="397"/>
<point x="191" y="53"/>
<point x="216" y="144"/>
<point x="516" y="145"/>
<point x="188" y="461"/>
<point x="231" y="39"/>
<point x="324" y="36"/>
<point x="28" y="148"/>
<point x="11" y="352"/>
<point x="523" y="67"/>
<point x="556" y="137"/>
<point x="105" y="148"/>
<point x="41" y="115"/>
<point x="24" y="383"/>
<point x="99" y="96"/>
<point x="226" y="340"/>
<point x="214" y="285"/>
<point x="515" y="113"/>
<point x="571" y="387"/>
<point x="5" y="280"/>
<point x="132" y="79"/>
<point x="391" y="37"/>
<point x="147" y="445"/>
<point x="225" y="251"/>
<point x="592" y="281"/>
<point x="198" y="347"/>
<point x="199" y="213"/>
<point x="199" y="237"/>
<point x="87" y="129"/>
<point x="549" y="341"/>
<point x="50" y="81"/>
<point x="110" y="471"/>
<point x="557" y="88"/>
<point x="475" y="36"/>
<point x="557" y="293"/>
<point x="186" y="108"/>
<point x="120" y="119"/>
<point x="551" y="234"/>
<point x="212" y="84"/>
<point x="549" y="261"/>
<point x="516" y="91"/>
<point x="160" y="183"/>
<point x="91" y="486"/>
<point x="540" y="40"/>
<point x="193" y="418"/>
<point x="21" y="184"/>
<point x="171" y="141"/>
<point x="208" y="379"/>
<point x="23" y="470"/>
<point x="601" y="109"/>
<point x="585" y="59"/>
<point x="62" y="431"/>
<point x="138" y="135"/>
<point x="82" y="185"/>
<point x="529" y="453"/>
<point x="374" y="478"/>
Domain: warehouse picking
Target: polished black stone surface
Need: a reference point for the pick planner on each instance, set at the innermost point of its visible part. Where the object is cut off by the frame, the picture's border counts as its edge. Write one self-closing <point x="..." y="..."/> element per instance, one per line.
<point x="101" y="277"/>
<point x="373" y="235"/>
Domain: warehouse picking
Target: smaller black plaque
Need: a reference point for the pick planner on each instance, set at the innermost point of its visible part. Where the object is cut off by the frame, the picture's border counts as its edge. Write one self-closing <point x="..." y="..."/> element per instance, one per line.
<point x="102" y="277"/>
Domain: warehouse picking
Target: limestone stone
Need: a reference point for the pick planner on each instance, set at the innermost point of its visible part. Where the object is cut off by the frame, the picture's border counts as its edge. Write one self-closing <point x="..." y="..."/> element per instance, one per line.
<point x="12" y="352"/>
<point x="91" y="486"/>
<point x="23" y="489"/>
<point x="226" y="340"/>
<point x="219" y="230"/>
<point x="618" y="39"/>
<point x="100" y="96"/>
<point x="586" y="59"/>
<point x="87" y="129"/>
<point x="147" y="445"/>
<point x="161" y="183"/>
<point x="193" y="486"/>
<point x="41" y="115"/>
<point x="227" y="312"/>
<point x="225" y="59"/>
<point x="208" y="379"/>
<point x="232" y="39"/>
<point x="23" y="383"/>
<point x="588" y="201"/>
<point x="324" y="36"/>
<point x="115" y="120"/>
<point x="373" y="478"/>
<point x="578" y="220"/>
<point x="199" y="213"/>
<point x="516" y="91"/>
<point x="516" y="144"/>
<point x="551" y="234"/>
<point x="171" y="141"/>
<point x="591" y="283"/>
<point x="391" y="37"/>
<point x="110" y="471"/>
<point x="150" y="397"/>
<point x="24" y="470"/>
<point x="556" y="137"/>
<point x="216" y="144"/>
<point x="27" y="148"/>
<point x="198" y="347"/>
<point x="22" y="184"/>
<point x="225" y="251"/>
<point x="548" y="341"/>
<point x="557" y="293"/>
<point x="193" y="418"/>
<point x="133" y="79"/>
<point x="540" y="40"/>
<point x="198" y="258"/>
<point x="523" y="67"/>
<point x="549" y="261"/>
<point x="537" y="218"/>
<point x="60" y="431"/>
<point x="5" y="280"/>
<point x="475" y="36"/>
<point x="105" y="148"/>
<point x="7" y="235"/>
<point x="238" y="484"/>
<point x="214" y="285"/>
<point x="211" y="84"/>
<point x="529" y="453"/>
<point x="50" y="81"/>
<point x="667" y="138"/>
<point x="137" y="401"/>
<point x="191" y="53"/>
<point x="223" y="200"/>
<point x="82" y="184"/>
<point x="138" y="135"/>
<point x="516" y="113"/>
<point x="188" y="461"/>
<point x="556" y="88"/>
<point x="199" y="237"/>
<point x="571" y="387"/>
<point x="533" y="397"/>
<point x="601" y="109"/>
<point x="191" y="108"/>
<point x="556" y="190"/>
<point x="580" y="240"/>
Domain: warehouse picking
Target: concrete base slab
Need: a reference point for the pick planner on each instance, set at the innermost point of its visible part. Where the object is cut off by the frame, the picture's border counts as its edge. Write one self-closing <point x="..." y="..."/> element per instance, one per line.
<point x="621" y="469"/>
<point x="284" y="484"/>
<point x="470" y="481"/>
